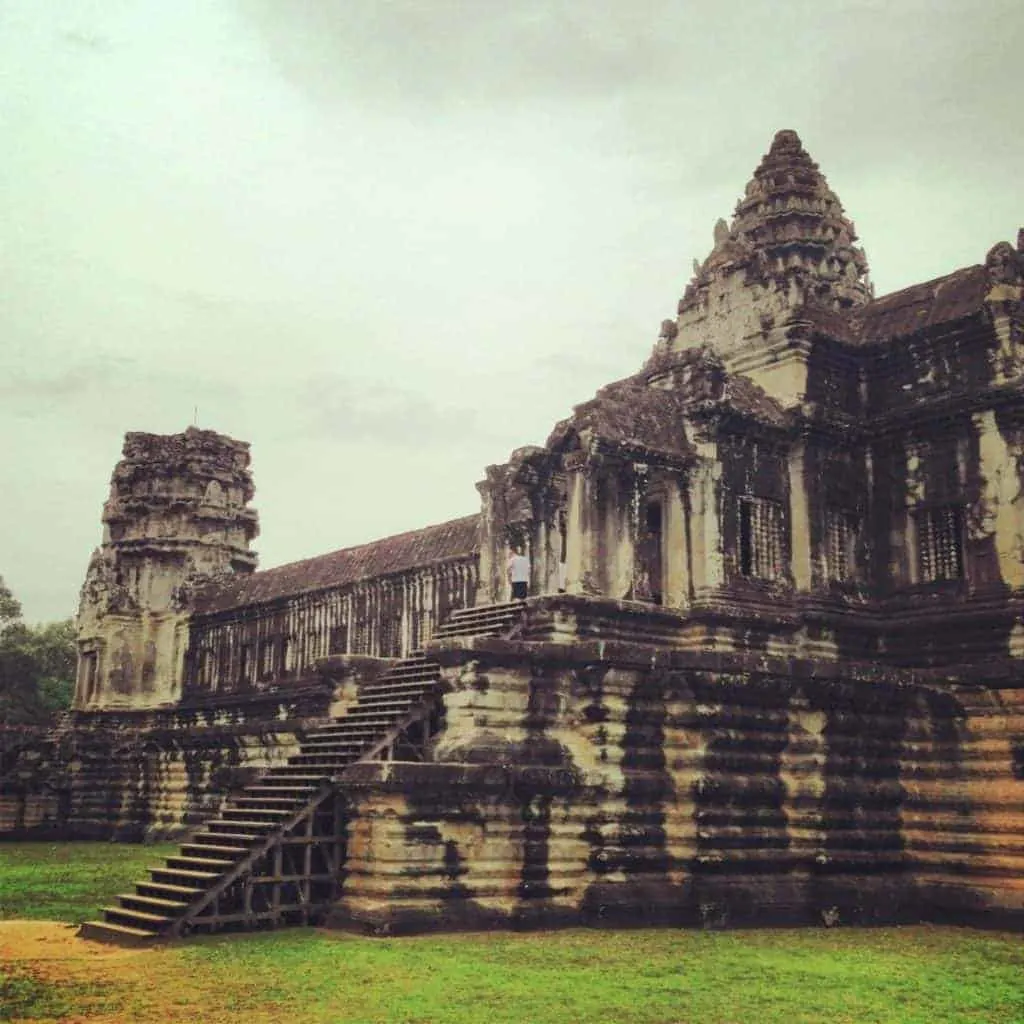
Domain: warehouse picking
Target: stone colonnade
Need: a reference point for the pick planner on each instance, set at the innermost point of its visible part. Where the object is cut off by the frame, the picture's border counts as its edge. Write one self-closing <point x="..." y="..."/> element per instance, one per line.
<point x="384" y="617"/>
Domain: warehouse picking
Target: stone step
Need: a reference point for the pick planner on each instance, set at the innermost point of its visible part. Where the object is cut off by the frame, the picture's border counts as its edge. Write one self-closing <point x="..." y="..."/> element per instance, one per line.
<point x="281" y="791"/>
<point x="299" y="771"/>
<point x="328" y="762"/>
<point x="153" y="904"/>
<point x="420" y="670"/>
<point x="240" y="825"/>
<point x="345" y="737"/>
<point x="395" y="699"/>
<point x="266" y="802"/>
<point x="210" y="838"/>
<point x="201" y="849"/>
<point x="287" y="776"/>
<point x="165" y="875"/>
<point x="120" y="934"/>
<point x="375" y="723"/>
<point x="273" y="815"/>
<point x="338" y="746"/>
<point x="499" y="620"/>
<point x="136" y="918"/>
<point x="477" y="608"/>
<point x="216" y="865"/>
<point x="183" y="892"/>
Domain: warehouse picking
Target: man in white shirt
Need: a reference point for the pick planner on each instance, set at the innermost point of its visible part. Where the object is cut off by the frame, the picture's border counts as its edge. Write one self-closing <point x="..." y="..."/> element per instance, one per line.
<point x="519" y="574"/>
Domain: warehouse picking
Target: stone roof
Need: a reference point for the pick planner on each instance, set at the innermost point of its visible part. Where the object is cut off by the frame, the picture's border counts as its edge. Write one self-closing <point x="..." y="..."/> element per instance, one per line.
<point x="703" y="385"/>
<point x="629" y="414"/>
<point x="938" y="301"/>
<point x="404" y="551"/>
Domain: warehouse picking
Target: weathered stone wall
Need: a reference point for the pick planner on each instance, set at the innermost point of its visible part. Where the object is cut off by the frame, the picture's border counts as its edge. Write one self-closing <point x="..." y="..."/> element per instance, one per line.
<point x="660" y="786"/>
<point x="148" y="774"/>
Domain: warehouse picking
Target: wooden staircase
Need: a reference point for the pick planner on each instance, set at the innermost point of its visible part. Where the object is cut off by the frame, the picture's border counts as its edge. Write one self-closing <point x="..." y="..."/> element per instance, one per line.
<point x="274" y="854"/>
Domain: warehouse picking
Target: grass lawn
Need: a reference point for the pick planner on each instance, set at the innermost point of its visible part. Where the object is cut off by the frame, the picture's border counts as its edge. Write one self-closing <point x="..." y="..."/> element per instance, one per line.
<point x="919" y="975"/>
<point x="69" y="881"/>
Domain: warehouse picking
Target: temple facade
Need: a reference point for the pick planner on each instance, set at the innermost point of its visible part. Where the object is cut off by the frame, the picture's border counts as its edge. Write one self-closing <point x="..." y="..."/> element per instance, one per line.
<point x="769" y="668"/>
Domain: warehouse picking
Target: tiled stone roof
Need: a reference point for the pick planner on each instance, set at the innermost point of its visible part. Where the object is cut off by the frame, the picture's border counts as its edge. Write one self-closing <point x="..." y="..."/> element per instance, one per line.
<point x="933" y="302"/>
<point x="629" y="414"/>
<point x="433" y="544"/>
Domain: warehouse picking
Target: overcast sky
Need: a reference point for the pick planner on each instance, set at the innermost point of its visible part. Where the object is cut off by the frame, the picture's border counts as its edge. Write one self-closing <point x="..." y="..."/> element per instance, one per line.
<point x="388" y="241"/>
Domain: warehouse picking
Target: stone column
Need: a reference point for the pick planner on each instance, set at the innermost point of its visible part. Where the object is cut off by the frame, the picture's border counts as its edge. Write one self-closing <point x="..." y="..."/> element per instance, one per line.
<point x="581" y="538"/>
<point x="490" y="585"/>
<point x="620" y="527"/>
<point x="707" y="560"/>
<point x="799" y="517"/>
<point x="998" y="509"/>
<point x="676" y="584"/>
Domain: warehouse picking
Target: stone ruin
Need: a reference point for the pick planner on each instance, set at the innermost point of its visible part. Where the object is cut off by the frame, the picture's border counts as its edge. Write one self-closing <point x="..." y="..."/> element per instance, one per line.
<point x="770" y="671"/>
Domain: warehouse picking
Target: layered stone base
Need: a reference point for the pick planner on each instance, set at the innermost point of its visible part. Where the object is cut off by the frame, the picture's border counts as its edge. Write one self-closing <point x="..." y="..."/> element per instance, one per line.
<point x="148" y="775"/>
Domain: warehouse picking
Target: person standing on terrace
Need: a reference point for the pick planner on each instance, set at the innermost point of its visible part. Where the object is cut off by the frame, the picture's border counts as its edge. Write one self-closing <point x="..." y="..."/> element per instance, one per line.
<point x="519" y="573"/>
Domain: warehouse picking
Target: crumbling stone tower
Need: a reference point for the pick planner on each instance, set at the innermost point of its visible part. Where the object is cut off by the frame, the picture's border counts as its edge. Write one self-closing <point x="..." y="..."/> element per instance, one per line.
<point x="177" y="515"/>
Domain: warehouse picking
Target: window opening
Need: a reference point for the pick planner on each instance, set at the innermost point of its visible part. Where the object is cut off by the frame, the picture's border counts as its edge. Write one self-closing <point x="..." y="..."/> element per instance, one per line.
<point x="760" y="538"/>
<point x="842" y="530"/>
<point x="940" y="550"/>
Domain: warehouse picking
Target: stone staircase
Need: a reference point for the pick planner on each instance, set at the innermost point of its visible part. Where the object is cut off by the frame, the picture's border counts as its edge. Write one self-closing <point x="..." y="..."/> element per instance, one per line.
<point x="274" y="854"/>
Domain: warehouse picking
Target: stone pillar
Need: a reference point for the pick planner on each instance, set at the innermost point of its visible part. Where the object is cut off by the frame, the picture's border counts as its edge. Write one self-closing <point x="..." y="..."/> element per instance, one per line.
<point x="676" y="585"/>
<point x="799" y="517"/>
<point x="620" y="525"/>
<point x="707" y="560"/>
<point x="582" y="541"/>
<point x="999" y="510"/>
<point x="490" y="585"/>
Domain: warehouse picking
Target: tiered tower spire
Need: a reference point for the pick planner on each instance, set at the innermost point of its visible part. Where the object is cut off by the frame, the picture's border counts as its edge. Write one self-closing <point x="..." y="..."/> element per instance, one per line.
<point x="790" y="245"/>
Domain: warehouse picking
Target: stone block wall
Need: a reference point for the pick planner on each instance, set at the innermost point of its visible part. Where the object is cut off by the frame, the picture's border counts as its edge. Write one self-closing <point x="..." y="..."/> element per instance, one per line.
<point x="654" y="786"/>
<point x="149" y="774"/>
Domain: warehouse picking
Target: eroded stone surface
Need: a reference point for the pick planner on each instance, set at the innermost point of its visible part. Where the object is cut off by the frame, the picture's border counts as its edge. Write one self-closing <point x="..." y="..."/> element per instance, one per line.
<point x="771" y="665"/>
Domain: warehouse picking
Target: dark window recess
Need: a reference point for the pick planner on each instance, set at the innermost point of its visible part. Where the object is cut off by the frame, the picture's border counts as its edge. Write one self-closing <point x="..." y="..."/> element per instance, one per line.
<point x="90" y="671"/>
<point x="339" y="640"/>
<point x="223" y="664"/>
<point x="842" y="531"/>
<point x="244" y="663"/>
<point x="760" y="539"/>
<point x="203" y="669"/>
<point x="940" y="543"/>
<point x="653" y="516"/>
<point x="285" y="650"/>
<point x="266" y="658"/>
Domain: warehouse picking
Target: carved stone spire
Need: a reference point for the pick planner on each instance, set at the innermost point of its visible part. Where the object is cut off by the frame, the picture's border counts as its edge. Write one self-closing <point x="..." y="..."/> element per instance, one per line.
<point x="789" y="246"/>
<point x="793" y="220"/>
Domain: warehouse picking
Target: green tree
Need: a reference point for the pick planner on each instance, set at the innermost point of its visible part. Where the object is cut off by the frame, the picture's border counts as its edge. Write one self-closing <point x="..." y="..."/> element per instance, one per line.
<point x="37" y="665"/>
<point x="9" y="607"/>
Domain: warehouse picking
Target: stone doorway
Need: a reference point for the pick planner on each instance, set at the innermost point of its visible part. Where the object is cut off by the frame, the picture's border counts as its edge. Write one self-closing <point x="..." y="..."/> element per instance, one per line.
<point x="647" y="574"/>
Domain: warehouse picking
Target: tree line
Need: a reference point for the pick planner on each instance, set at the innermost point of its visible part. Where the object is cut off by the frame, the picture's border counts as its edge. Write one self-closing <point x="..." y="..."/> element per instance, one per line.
<point x="37" y="665"/>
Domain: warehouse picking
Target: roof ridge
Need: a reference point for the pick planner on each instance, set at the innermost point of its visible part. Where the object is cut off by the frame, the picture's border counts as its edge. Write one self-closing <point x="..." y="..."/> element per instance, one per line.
<point x="368" y="544"/>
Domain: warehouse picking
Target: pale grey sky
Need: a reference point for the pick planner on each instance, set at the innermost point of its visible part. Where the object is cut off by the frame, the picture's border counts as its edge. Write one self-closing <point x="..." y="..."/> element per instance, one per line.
<point x="387" y="242"/>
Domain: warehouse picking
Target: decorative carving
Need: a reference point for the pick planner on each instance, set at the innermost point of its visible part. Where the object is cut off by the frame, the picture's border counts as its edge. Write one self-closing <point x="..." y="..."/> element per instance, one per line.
<point x="1003" y="264"/>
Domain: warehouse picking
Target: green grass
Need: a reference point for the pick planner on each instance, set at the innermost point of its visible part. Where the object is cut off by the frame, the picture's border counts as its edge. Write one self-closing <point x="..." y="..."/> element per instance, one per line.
<point x="70" y="881"/>
<point x="23" y="994"/>
<point x="917" y="975"/>
<point x="911" y="975"/>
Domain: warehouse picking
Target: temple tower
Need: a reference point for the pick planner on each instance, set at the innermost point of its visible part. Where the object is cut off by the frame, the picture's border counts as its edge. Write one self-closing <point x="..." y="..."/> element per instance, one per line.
<point x="788" y="259"/>
<point x="177" y="515"/>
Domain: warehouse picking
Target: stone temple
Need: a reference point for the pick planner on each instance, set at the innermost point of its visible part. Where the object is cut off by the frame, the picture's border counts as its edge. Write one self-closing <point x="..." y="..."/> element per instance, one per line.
<point x="771" y="668"/>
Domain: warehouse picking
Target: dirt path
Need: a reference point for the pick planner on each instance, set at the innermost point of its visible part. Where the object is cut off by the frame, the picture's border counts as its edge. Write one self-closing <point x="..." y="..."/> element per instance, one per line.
<point x="52" y="952"/>
<point x="47" y="941"/>
<point x="149" y="985"/>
